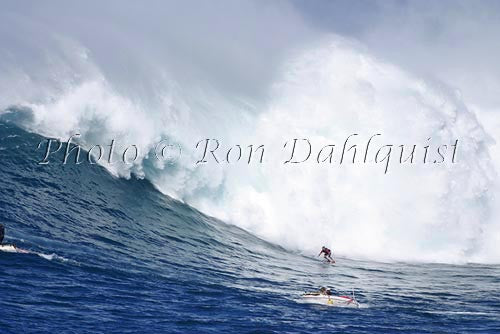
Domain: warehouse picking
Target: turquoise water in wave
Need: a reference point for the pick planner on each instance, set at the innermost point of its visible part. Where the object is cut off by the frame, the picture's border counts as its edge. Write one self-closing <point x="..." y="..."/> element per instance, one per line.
<point x="116" y="256"/>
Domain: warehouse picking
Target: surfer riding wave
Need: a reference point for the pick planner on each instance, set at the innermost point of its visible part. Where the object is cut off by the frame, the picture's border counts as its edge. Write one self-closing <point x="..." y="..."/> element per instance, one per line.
<point x="327" y="253"/>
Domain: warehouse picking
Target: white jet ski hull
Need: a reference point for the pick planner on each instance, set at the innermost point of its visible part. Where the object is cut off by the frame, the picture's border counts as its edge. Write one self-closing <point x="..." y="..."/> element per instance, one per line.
<point x="12" y="249"/>
<point x="342" y="301"/>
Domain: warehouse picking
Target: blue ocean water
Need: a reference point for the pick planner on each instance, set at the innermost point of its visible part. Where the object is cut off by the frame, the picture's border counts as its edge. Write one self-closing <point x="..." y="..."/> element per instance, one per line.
<point x="117" y="256"/>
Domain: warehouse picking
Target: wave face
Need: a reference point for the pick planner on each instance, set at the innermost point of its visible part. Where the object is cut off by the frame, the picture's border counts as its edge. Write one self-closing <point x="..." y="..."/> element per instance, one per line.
<point x="423" y="212"/>
<point x="323" y="91"/>
<point x="118" y="256"/>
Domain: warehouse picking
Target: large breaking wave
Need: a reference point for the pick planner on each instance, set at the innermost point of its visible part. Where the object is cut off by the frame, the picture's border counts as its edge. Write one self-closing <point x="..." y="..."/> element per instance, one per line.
<point x="323" y="92"/>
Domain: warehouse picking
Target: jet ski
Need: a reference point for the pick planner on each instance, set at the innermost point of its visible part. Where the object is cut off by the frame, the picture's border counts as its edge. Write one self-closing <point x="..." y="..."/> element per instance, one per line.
<point x="8" y="247"/>
<point x="325" y="297"/>
<point x="12" y="249"/>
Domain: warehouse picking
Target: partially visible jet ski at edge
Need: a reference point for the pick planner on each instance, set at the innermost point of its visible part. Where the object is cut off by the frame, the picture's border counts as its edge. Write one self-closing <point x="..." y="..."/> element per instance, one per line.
<point x="9" y="248"/>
